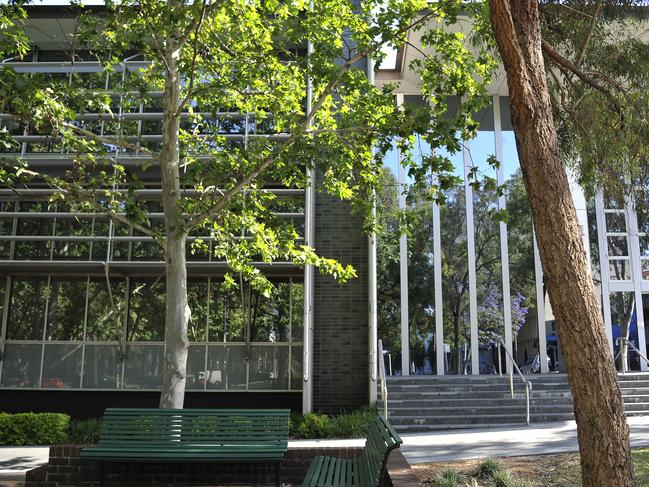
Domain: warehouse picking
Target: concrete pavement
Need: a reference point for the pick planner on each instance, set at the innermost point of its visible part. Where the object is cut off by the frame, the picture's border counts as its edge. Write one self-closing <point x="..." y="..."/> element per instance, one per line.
<point x="16" y="460"/>
<point x="417" y="448"/>
<point x="505" y="442"/>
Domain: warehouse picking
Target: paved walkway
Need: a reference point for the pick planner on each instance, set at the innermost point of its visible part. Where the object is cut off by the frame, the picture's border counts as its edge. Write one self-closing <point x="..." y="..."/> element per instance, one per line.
<point x="505" y="442"/>
<point x="16" y="460"/>
<point x="417" y="448"/>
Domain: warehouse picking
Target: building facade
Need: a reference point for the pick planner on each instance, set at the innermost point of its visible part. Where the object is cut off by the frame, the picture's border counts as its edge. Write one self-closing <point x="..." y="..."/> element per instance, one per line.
<point x="83" y="299"/>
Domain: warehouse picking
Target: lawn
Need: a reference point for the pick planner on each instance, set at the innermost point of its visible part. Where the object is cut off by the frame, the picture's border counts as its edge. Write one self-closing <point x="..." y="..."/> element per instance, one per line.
<point x="560" y="470"/>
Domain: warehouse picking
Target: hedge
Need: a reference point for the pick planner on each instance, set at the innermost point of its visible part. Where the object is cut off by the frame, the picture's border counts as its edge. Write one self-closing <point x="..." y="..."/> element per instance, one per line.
<point x="33" y="428"/>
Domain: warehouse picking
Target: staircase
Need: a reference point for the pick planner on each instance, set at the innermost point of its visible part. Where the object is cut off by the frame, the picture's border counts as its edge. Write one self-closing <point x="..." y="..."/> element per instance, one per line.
<point x="425" y="403"/>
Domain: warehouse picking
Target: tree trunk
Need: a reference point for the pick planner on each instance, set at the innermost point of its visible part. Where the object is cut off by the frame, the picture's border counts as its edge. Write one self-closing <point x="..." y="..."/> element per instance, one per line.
<point x="601" y="424"/>
<point x="177" y="313"/>
<point x="456" y="342"/>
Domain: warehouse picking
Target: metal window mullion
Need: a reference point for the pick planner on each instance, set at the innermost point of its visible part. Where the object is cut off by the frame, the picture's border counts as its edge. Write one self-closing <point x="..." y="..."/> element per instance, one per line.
<point x="85" y="336"/>
<point x="471" y="261"/>
<point x="309" y="275"/>
<point x="14" y="231"/>
<point x="290" y="329"/>
<point x="504" y="240"/>
<point x="636" y="276"/>
<point x="3" y="325"/>
<point x="540" y="307"/>
<point x="44" y="335"/>
<point x="207" y="329"/>
<point x="127" y="305"/>
<point x="604" y="265"/>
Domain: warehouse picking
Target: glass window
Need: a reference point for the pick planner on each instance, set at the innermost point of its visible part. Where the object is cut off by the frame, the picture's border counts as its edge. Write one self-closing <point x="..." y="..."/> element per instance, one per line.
<point x="65" y="311"/>
<point x="21" y="365"/>
<point x="62" y="366"/>
<point x="620" y="269"/>
<point x="6" y="228"/>
<point x="226" y="367"/>
<point x="269" y="367"/>
<point x="196" y="367"/>
<point x="615" y="222"/>
<point x="143" y="366"/>
<point x="33" y="249"/>
<point x="197" y="297"/>
<point x="617" y="246"/>
<point x="625" y="324"/>
<point x="644" y="245"/>
<point x="146" y="316"/>
<point x="226" y="321"/>
<point x="105" y="314"/>
<point x="27" y="309"/>
<point x="102" y="367"/>
<point x="297" y="310"/>
<point x="296" y="367"/>
<point x="71" y="249"/>
<point x="270" y="316"/>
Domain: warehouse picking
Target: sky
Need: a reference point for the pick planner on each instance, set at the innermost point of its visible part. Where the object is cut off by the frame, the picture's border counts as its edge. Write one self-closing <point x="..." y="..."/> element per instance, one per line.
<point x="480" y="149"/>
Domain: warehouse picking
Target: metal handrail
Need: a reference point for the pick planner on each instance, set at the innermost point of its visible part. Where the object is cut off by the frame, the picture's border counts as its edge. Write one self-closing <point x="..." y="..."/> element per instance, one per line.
<point x="528" y="384"/>
<point x="633" y="347"/>
<point x="382" y="384"/>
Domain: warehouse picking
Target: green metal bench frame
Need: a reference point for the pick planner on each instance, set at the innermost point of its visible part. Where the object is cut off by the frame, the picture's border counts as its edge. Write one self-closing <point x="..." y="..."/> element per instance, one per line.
<point x="191" y="435"/>
<point x="366" y="470"/>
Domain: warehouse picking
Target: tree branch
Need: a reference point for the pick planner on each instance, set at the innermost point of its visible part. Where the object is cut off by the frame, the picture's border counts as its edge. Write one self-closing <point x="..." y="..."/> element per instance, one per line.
<point x="589" y="34"/>
<point x="304" y="128"/>
<point x="559" y="60"/>
<point x="107" y="140"/>
<point x="80" y="195"/>
<point x="206" y="10"/>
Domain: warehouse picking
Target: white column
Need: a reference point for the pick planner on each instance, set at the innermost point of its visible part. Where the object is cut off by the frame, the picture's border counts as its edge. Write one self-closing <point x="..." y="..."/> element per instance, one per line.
<point x="439" y="303"/>
<point x="470" y="243"/>
<point x="309" y="276"/>
<point x="403" y="278"/>
<point x="504" y="242"/>
<point x="602" y="244"/>
<point x="372" y="311"/>
<point x="540" y="307"/>
<point x="636" y="275"/>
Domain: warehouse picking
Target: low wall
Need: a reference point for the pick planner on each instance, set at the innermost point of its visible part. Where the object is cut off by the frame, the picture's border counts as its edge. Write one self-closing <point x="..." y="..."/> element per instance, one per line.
<point x="66" y="469"/>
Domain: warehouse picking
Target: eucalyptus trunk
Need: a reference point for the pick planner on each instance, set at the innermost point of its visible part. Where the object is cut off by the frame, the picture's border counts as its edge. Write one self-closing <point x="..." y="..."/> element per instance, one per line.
<point x="177" y="313"/>
<point x="601" y="424"/>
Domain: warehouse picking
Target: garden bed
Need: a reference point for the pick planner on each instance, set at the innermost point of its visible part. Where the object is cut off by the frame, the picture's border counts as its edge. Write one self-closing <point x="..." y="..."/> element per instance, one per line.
<point x="560" y="470"/>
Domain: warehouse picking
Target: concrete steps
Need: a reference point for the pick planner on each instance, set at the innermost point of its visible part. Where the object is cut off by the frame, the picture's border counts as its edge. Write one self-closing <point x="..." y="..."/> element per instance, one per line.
<point x="425" y="403"/>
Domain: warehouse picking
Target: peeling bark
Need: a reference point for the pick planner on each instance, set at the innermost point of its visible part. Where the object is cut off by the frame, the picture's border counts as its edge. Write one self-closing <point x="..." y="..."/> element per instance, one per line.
<point x="601" y="424"/>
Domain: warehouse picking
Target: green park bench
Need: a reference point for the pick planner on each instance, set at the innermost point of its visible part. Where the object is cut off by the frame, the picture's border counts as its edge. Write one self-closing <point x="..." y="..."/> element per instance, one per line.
<point x="191" y="435"/>
<point x="366" y="470"/>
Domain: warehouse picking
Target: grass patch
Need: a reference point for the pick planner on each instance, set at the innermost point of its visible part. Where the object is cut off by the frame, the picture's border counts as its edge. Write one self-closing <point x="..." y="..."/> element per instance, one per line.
<point x="487" y="468"/>
<point x="561" y="470"/>
<point x="448" y="478"/>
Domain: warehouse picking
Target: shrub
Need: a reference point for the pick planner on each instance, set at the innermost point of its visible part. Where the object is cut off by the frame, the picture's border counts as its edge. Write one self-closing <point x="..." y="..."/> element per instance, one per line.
<point x="487" y="468"/>
<point x="84" y="432"/>
<point x="354" y="424"/>
<point x="314" y="425"/>
<point x="33" y="428"/>
<point x="448" y="478"/>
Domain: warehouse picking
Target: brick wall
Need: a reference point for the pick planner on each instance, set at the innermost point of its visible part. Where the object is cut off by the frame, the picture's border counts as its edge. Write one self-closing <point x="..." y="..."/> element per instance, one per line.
<point x="341" y="311"/>
<point x="66" y="469"/>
